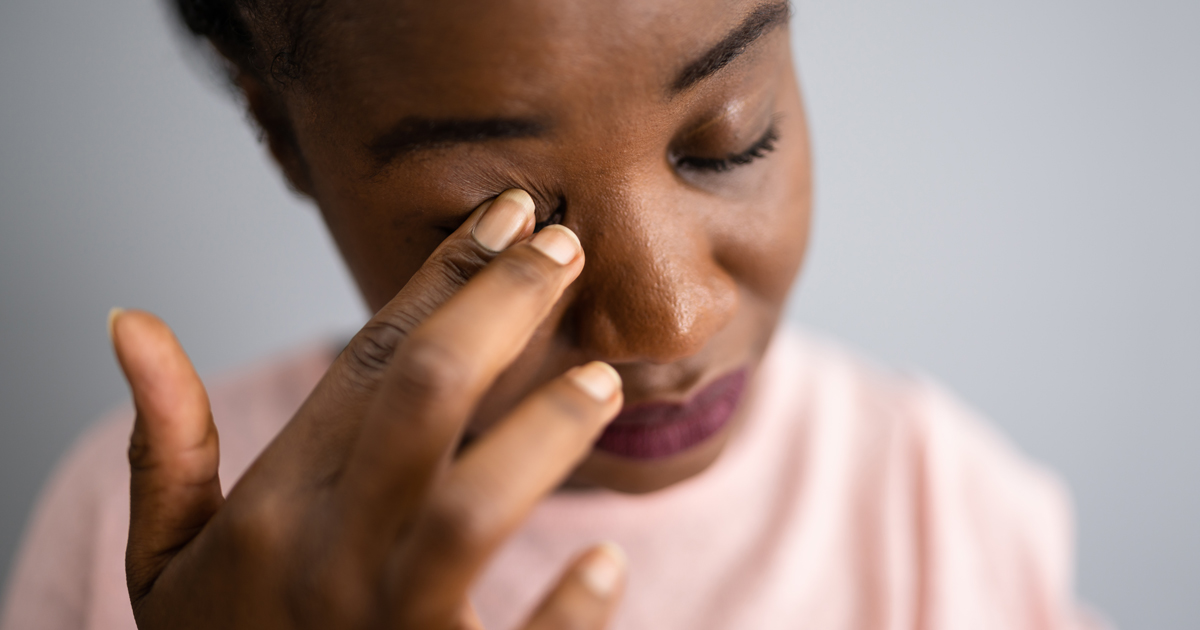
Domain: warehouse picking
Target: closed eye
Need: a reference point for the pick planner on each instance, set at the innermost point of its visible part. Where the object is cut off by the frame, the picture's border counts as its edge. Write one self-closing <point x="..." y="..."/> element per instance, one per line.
<point x="758" y="150"/>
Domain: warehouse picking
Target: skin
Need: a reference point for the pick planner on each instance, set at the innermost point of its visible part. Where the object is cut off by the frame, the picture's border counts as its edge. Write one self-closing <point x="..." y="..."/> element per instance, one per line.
<point x="687" y="272"/>
<point x="675" y="277"/>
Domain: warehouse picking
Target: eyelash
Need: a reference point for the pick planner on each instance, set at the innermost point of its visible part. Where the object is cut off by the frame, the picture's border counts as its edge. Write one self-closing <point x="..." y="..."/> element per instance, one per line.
<point x="758" y="150"/>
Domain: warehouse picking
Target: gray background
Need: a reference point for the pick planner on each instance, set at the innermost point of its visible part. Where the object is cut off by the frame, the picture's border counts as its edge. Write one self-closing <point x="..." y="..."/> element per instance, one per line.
<point x="1008" y="198"/>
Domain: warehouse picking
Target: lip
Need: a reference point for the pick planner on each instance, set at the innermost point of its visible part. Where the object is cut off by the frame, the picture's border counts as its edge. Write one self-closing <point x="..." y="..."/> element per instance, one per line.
<point x="654" y="430"/>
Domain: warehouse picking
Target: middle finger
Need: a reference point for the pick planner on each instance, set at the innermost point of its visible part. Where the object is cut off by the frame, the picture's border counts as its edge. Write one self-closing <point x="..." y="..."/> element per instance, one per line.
<point x="316" y="444"/>
<point x="439" y="373"/>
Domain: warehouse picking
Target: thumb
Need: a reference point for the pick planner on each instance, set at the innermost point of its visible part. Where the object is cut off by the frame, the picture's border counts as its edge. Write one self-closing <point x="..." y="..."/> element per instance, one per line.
<point x="173" y="452"/>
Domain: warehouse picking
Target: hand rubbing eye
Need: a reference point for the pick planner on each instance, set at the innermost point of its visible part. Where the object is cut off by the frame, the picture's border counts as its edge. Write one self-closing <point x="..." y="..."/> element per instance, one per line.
<point x="556" y="216"/>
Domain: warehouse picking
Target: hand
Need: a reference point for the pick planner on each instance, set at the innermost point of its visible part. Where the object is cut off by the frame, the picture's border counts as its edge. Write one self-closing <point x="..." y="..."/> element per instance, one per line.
<point x="359" y="514"/>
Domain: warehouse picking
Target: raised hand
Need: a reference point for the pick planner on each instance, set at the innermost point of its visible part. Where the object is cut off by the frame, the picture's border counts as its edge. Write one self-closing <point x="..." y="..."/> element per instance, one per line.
<point x="359" y="514"/>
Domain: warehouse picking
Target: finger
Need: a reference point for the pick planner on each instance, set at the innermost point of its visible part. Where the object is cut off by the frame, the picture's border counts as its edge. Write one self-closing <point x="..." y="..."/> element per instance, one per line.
<point x="441" y="371"/>
<point x="586" y="595"/>
<point x="493" y="227"/>
<point x="468" y="619"/>
<point x="491" y="488"/>
<point x="315" y="445"/>
<point x="173" y="452"/>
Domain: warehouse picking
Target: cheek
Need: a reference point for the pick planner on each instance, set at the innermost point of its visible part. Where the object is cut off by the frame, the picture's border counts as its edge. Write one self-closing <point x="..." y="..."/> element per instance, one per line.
<point x="382" y="240"/>
<point x="381" y="252"/>
<point x="762" y="243"/>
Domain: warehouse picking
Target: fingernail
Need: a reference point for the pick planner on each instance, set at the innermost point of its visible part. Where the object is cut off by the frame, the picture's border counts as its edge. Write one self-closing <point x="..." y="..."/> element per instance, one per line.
<point x="504" y="220"/>
<point x="558" y="243"/>
<point x="597" y="379"/>
<point x="113" y="314"/>
<point x="603" y="569"/>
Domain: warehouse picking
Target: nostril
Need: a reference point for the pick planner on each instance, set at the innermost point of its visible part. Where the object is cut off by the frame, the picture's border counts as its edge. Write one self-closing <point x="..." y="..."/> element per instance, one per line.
<point x="555" y="218"/>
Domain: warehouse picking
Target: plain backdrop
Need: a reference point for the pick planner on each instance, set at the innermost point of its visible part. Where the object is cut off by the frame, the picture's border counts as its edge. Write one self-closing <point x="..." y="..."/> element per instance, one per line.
<point x="1008" y="198"/>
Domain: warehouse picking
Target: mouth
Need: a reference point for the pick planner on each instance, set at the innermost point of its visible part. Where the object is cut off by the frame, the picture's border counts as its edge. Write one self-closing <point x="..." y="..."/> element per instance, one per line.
<point x="655" y="430"/>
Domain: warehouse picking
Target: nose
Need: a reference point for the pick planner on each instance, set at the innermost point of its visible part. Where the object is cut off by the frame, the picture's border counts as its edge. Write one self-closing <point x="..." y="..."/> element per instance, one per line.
<point x="652" y="289"/>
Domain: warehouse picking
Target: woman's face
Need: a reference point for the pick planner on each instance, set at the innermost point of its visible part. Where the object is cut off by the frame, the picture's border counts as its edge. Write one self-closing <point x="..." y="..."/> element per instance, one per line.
<point x="669" y="135"/>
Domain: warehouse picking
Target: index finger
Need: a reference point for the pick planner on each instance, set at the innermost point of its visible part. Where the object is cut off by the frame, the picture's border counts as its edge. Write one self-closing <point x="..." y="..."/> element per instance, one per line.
<point x="443" y="368"/>
<point x="315" y="443"/>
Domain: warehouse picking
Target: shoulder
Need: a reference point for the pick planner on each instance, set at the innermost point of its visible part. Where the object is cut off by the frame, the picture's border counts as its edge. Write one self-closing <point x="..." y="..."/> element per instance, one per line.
<point x="72" y="552"/>
<point x="970" y="531"/>
<point x="915" y="421"/>
<point x="960" y="464"/>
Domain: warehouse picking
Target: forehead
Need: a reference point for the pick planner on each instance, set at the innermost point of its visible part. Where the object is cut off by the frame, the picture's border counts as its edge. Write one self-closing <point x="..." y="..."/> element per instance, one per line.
<point x="470" y="57"/>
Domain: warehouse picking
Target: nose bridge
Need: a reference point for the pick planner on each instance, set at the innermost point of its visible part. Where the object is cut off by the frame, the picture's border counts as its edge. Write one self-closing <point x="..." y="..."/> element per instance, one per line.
<point x="651" y="289"/>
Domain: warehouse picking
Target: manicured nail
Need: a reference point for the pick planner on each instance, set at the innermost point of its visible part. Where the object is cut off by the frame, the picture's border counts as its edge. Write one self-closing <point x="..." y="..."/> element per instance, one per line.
<point x="558" y="243"/>
<point x="113" y="314"/>
<point x="504" y="220"/>
<point x="603" y="569"/>
<point x="597" y="379"/>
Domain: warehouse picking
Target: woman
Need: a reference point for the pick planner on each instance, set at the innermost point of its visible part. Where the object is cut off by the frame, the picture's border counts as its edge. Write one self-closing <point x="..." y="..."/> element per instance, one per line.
<point x="559" y="212"/>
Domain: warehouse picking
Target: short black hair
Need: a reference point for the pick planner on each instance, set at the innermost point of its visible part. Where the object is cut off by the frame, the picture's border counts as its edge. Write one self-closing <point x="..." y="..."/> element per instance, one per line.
<point x="266" y="37"/>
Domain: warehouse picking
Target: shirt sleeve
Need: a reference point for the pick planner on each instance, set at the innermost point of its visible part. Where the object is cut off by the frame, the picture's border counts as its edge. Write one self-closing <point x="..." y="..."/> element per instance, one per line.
<point x="998" y="535"/>
<point x="54" y="578"/>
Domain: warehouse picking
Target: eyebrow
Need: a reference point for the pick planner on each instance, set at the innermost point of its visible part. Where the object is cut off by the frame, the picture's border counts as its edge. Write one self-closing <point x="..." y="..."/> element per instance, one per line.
<point x="416" y="133"/>
<point x="762" y="20"/>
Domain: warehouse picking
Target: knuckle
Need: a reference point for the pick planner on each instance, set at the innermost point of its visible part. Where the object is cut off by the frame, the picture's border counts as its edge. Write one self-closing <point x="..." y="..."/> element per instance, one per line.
<point x="431" y="370"/>
<point x="139" y="451"/>
<point x="460" y="262"/>
<point x="194" y="464"/>
<point x="371" y="351"/>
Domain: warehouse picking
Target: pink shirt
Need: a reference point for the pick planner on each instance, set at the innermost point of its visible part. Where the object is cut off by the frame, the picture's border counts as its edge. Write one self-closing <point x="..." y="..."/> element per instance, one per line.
<point x="852" y="498"/>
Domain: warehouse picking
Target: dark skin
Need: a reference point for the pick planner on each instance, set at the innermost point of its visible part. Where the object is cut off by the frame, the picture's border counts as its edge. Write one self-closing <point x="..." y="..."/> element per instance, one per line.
<point x="672" y="264"/>
<point x="687" y="270"/>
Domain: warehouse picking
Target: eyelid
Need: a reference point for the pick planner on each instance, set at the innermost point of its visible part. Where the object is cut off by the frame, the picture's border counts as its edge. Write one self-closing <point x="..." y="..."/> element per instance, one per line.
<point x="752" y="104"/>
<point x="484" y="179"/>
<point x="758" y="150"/>
<point x="730" y="112"/>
